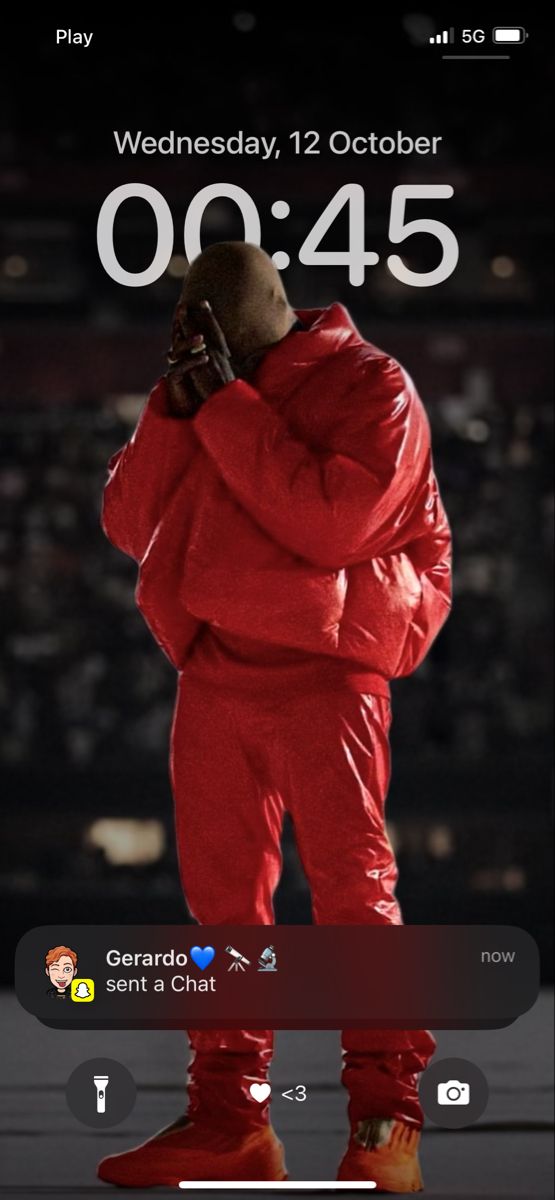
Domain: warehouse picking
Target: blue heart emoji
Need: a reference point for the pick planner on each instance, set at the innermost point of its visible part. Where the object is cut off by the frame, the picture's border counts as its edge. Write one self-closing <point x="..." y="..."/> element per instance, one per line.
<point x="202" y="958"/>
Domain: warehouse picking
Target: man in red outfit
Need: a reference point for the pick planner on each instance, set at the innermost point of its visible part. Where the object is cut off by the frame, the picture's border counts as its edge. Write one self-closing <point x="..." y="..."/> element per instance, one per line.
<point x="279" y="497"/>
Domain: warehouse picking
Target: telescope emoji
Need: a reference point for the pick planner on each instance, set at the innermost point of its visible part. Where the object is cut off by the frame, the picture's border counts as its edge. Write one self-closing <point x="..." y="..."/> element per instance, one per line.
<point x="239" y="961"/>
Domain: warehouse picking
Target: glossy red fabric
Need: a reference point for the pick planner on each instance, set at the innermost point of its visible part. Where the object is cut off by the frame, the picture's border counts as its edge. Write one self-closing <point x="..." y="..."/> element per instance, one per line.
<point x="237" y="764"/>
<point x="294" y="556"/>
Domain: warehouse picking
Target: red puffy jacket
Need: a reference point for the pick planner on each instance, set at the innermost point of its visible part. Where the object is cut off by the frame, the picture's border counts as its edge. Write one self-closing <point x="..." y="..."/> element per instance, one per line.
<point x="302" y="511"/>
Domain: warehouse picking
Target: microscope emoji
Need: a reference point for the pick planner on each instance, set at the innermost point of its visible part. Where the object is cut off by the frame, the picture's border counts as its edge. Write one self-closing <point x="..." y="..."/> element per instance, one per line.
<point x="268" y="960"/>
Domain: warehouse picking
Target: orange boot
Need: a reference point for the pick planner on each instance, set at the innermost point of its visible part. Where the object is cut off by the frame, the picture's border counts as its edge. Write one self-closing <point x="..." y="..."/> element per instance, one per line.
<point x="385" y="1152"/>
<point x="195" y="1150"/>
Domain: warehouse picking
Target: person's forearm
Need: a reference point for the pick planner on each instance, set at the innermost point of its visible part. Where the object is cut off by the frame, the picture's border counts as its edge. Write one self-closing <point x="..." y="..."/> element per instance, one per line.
<point x="143" y="474"/>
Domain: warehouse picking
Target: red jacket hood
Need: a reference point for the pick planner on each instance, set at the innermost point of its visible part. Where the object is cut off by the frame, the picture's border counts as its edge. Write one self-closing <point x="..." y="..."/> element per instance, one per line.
<point x="326" y="330"/>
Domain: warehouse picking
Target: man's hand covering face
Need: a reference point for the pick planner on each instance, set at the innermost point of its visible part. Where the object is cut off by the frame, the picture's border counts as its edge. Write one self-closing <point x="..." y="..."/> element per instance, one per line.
<point x="198" y="359"/>
<point x="234" y="297"/>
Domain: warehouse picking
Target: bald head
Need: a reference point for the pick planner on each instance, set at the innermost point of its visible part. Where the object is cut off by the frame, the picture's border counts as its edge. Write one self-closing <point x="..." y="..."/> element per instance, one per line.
<point x="247" y="296"/>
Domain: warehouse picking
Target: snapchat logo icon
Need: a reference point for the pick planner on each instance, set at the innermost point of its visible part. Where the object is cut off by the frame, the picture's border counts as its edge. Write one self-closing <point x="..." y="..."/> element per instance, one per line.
<point x="82" y="990"/>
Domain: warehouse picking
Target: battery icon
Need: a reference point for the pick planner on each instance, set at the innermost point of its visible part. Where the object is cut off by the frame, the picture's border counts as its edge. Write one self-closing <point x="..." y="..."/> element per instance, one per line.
<point x="509" y="35"/>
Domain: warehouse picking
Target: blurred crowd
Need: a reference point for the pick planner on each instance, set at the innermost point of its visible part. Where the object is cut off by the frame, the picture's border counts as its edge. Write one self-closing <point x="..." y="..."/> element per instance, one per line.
<point x="82" y="683"/>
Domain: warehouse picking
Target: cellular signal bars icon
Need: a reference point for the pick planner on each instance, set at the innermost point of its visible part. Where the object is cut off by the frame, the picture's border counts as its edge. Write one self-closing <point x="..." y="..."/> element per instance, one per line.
<point x="443" y="38"/>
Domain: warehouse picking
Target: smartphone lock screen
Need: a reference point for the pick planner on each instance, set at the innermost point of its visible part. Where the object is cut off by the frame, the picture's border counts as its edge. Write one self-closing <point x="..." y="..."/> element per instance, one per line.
<point x="276" y="515"/>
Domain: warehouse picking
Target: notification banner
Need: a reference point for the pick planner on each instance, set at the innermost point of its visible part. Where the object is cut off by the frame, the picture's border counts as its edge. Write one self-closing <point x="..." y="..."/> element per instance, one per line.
<point x="282" y="977"/>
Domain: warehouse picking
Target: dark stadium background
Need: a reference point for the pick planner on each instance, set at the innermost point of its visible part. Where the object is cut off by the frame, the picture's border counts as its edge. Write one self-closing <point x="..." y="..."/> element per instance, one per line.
<point x="85" y="695"/>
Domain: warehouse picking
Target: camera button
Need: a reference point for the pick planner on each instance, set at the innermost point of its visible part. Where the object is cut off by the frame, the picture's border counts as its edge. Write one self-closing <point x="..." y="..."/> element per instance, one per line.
<point x="454" y="1093"/>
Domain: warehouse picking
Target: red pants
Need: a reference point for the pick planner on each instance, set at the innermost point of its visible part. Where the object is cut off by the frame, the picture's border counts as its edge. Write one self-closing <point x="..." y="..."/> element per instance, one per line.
<point x="237" y="764"/>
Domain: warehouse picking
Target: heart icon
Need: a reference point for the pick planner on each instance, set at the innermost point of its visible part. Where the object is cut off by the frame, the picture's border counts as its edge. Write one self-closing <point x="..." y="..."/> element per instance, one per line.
<point x="202" y="958"/>
<point x="260" y="1092"/>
